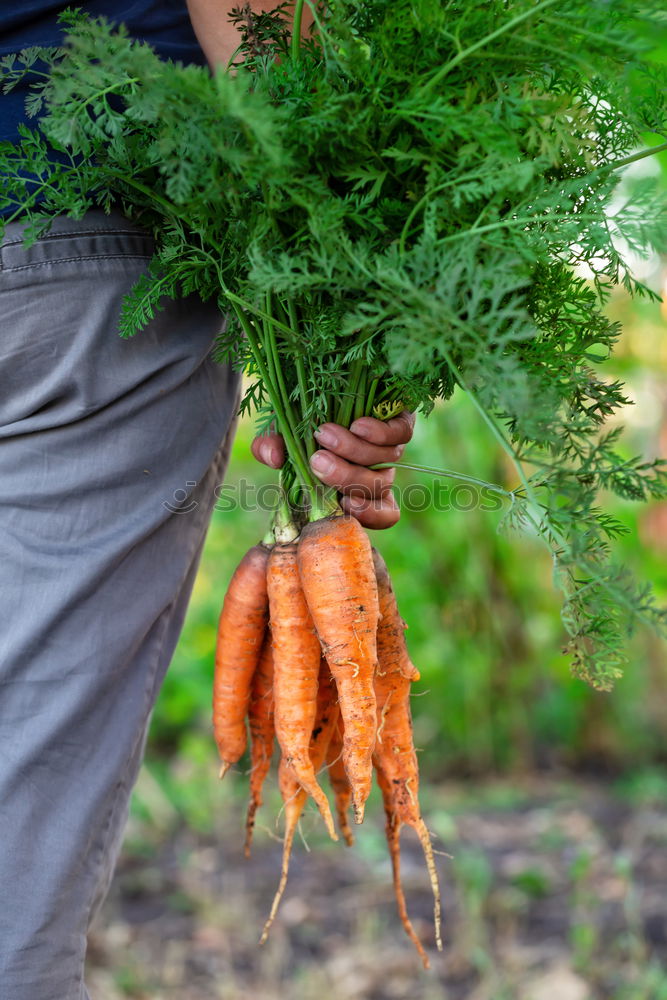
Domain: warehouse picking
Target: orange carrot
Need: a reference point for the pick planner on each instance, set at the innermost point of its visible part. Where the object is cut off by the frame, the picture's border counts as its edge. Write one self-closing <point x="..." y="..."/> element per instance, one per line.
<point x="340" y="782"/>
<point x="261" y="723"/>
<point x="241" y="630"/>
<point x="336" y="570"/>
<point x="293" y="794"/>
<point x="296" y="666"/>
<point x="395" y="758"/>
<point x="391" y="645"/>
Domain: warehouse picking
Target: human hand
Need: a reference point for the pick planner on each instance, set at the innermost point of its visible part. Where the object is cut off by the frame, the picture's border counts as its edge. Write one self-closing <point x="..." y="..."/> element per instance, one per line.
<point x="343" y="460"/>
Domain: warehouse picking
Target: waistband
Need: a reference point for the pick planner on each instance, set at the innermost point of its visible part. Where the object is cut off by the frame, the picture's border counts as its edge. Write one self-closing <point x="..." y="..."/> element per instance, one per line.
<point x="96" y="235"/>
<point x="94" y="221"/>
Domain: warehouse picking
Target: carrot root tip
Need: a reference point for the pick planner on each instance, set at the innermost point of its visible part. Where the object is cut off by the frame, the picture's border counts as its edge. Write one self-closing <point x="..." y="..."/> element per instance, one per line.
<point x="358" y="814"/>
<point x="427" y="848"/>
<point x="325" y="813"/>
<point x="287" y="851"/>
<point x="223" y="769"/>
<point x="393" y="829"/>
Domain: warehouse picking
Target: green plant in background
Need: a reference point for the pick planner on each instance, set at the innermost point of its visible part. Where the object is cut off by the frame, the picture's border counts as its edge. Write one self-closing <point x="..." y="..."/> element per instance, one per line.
<point x="474" y="877"/>
<point x="393" y="209"/>
<point x="584" y="933"/>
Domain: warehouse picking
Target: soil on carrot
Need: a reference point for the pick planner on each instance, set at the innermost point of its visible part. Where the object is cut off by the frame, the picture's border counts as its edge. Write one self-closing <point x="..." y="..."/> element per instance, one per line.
<point x="555" y="890"/>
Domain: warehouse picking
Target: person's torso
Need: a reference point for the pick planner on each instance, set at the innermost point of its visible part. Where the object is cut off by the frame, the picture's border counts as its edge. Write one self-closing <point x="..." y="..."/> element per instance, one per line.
<point x="164" y="24"/>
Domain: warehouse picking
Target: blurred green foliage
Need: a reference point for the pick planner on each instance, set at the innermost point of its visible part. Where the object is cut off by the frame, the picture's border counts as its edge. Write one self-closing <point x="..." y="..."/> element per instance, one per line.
<point x="495" y="691"/>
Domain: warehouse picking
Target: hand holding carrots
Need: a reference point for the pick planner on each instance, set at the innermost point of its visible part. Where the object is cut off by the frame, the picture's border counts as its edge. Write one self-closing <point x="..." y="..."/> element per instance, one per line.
<point x="344" y="459"/>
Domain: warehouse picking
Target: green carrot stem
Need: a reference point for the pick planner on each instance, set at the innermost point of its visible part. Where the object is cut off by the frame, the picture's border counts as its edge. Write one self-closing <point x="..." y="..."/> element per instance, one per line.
<point x="287" y="429"/>
<point x="300" y="365"/>
<point x="290" y="488"/>
<point x="167" y="206"/>
<point x="323" y="502"/>
<point x="346" y="407"/>
<point x="290" y="416"/>
<point x="521" y="221"/>
<point x="236" y="300"/>
<point x="486" y="40"/>
<point x="273" y="358"/>
<point x="290" y="314"/>
<point x="649" y="151"/>
<point x="370" y="398"/>
<point x="268" y="354"/>
<point x="272" y="349"/>
<point x="447" y="474"/>
<point x="301" y="467"/>
<point x="360" y="402"/>
<point x="295" y="47"/>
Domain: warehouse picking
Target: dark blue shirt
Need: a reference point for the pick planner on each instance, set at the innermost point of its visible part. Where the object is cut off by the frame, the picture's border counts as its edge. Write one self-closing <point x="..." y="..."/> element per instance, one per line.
<point x="164" y="24"/>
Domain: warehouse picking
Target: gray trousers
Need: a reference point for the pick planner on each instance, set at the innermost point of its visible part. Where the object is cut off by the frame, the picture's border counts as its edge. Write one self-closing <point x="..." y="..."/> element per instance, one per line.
<point x="97" y="437"/>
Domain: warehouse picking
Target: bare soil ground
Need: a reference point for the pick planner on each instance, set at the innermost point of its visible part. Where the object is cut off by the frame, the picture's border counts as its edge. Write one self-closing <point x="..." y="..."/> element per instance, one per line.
<point x="555" y="890"/>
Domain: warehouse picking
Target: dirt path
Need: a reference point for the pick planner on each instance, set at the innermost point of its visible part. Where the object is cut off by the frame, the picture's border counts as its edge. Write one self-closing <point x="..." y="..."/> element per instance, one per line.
<point x="554" y="891"/>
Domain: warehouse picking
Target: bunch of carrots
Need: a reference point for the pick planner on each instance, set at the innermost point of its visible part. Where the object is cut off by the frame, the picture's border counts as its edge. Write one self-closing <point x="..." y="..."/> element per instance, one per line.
<point x="311" y="650"/>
